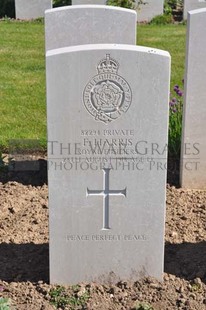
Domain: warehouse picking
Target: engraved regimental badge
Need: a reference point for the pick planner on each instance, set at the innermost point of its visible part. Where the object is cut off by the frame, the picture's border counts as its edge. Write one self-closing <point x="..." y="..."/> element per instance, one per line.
<point x="107" y="95"/>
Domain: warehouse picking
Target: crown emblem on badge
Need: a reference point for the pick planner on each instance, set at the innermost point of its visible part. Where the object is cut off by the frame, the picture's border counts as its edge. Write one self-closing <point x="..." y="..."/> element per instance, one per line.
<point x="108" y="65"/>
<point x="107" y="95"/>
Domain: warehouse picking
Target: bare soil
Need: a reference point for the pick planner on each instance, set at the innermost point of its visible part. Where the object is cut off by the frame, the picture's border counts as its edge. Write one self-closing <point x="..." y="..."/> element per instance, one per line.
<point x="24" y="253"/>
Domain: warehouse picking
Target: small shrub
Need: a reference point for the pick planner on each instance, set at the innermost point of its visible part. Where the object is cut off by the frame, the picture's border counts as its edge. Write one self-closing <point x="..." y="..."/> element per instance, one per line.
<point x="144" y="306"/>
<point x="128" y="4"/>
<point x="171" y="3"/>
<point x="167" y="8"/>
<point x="38" y="20"/>
<point x="60" y="298"/>
<point x="196" y="287"/>
<point x="162" y="20"/>
<point x="174" y="8"/>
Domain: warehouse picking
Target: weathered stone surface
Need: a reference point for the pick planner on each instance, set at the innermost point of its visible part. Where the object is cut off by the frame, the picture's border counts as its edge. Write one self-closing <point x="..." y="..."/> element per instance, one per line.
<point x="149" y="10"/>
<point x="190" y="5"/>
<point x="77" y="25"/>
<point x="193" y="155"/>
<point x="29" y="9"/>
<point x="107" y="131"/>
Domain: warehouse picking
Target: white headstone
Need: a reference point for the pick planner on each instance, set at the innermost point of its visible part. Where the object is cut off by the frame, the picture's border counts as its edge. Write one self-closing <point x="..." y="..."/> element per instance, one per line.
<point x="74" y="2"/>
<point x="107" y="118"/>
<point x="150" y="9"/>
<point x="193" y="155"/>
<point x="190" y="5"/>
<point x="78" y="25"/>
<point x="29" y="9"/>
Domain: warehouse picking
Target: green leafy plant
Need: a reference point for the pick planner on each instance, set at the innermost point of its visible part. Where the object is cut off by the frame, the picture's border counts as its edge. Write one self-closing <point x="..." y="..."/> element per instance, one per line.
<point x="39" y="20"/>
<point x="162" y="19"/>
<point x="5" y="303"/>
<point x="60" y="298"/>
<point x="167" y="17"/>
<point x="57" y="3"/>
<point x="196" y="287"/>
<point x="175" y="121"/>
<point x="77" y="302"/>
<point x="128" y="4"/>
<point x="173" y="4"/>
<point x="144" y="306"/>
<point x="167" y="8"/>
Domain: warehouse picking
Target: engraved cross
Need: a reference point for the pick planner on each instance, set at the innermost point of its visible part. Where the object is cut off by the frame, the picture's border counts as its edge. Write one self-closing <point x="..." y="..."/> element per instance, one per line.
<point x="106" y="193"/>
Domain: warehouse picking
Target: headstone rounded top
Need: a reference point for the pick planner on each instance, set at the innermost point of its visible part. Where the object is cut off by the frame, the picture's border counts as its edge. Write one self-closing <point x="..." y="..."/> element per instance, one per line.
<point x="89" y="24"/>
<point x="193" y="6"/>
<point x="91" y="47"/>
<point x="197" y="11"/>
<point x="89" y="6"/>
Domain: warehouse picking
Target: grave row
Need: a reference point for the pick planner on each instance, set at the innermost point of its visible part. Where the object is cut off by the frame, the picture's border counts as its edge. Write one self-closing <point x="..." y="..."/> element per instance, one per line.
<point x="107" y="112"/>
<point x="28" y="9"/>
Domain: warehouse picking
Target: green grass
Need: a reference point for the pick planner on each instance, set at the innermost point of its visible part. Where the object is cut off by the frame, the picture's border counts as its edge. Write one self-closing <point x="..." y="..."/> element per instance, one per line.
<point x="171" y="38"/>
<point x="22" y="82"/>
<point x="22" y="74"/>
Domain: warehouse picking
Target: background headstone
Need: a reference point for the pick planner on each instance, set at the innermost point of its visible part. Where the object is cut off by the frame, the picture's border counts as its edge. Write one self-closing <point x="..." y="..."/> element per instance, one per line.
<point x="190" y="5"/>
<point x="89" y="24"/>
<point x="149" y="10"/>
<point x="193" y="155"/>
<point x="28" y="9"/>
<point x="107" y="134"/>
<point x="74" y="2"/>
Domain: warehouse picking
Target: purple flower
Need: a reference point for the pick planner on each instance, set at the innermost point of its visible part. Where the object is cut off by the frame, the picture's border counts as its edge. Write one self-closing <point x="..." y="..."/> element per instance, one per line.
<point x="171" y="103"/>
<point x="174" y="110"/>
<point x="176" y="87"/>
<point x="174" y="100"/>
<point x="180" y="93"/>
